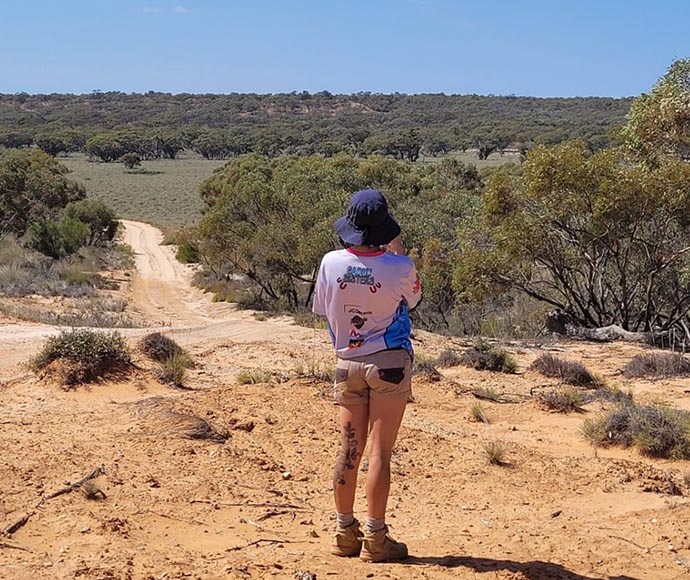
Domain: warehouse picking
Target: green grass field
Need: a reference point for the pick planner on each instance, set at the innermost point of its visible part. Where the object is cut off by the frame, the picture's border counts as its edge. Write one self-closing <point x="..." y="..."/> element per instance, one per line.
<point x="166" y="194"/>
<point x="494" y="160"/>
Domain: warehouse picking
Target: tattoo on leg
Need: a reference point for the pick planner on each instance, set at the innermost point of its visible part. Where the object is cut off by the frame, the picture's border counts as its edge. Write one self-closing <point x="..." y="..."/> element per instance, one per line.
<point x="347" y="455"/>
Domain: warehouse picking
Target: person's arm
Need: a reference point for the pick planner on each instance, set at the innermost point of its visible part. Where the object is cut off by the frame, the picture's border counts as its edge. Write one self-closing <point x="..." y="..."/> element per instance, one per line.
<point x="412" y="288"/>
<point x="319" y="304"/>
<point x="397" y="247"/>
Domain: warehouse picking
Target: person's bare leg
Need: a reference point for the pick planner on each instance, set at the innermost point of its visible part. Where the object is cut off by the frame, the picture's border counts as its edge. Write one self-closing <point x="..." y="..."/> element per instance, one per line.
<point x="385" y="416"/>
<point x="354" y="420"/>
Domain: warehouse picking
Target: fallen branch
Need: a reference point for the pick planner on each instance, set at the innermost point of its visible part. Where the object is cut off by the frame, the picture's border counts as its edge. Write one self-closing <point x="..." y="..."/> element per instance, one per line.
<point x="76" y="485"/>
<point x="259" y="541"/>
<point x="501" y="399"/>
<point x="13" y="547"/>
<point x="177" y="518"/>
<point x="271" y="514"/>
<point x="9" y="530"/>
<point x="645" y="548"/>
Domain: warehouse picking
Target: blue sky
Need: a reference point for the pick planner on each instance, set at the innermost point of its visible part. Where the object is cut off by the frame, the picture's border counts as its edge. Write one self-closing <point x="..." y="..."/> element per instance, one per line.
<point x="524" y="47"/>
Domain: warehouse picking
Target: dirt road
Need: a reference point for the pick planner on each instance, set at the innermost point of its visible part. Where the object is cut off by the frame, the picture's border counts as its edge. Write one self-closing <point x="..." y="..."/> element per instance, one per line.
<point x="161" y="292"/>
<point x="259" y="505"/>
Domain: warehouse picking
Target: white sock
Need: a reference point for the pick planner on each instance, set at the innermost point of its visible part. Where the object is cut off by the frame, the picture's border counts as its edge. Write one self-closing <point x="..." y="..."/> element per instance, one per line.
<point x="375" y="524"/>
<point x="345" y="520"/>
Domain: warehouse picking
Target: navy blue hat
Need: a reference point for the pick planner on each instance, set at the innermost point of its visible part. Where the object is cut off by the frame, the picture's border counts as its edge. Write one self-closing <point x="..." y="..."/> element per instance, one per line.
<point x="367" y="222"/>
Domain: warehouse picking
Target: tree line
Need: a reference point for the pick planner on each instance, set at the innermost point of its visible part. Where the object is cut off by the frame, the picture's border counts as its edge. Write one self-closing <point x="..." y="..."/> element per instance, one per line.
<point x="159" y="125"/>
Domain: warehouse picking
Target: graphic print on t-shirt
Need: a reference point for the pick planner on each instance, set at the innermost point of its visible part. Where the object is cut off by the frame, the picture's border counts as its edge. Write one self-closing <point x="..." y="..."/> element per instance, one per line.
<point x="359" y="275"/>
<point x="358" y="318"/>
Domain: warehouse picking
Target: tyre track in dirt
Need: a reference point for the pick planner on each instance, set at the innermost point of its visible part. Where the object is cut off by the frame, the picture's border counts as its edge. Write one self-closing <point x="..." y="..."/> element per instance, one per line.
<point x="161" y="291"/>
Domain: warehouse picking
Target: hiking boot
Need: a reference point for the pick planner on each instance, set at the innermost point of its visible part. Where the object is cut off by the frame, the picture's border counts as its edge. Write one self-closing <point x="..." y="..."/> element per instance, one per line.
<point x="347" y="541"/>
<point x="380" y="547"/>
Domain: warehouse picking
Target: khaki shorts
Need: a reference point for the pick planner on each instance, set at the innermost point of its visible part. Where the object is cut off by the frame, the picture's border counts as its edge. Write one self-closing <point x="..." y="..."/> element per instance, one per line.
<point x="386" y="374"/>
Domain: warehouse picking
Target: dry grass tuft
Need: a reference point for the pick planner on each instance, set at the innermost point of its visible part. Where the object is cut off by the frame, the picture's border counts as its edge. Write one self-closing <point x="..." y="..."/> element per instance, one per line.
<point x="425" y="366"/>
<point x="564" y="400"/>
<point x="192" y="426"/>
<point x="654" y="430"/>
<point x="657" y="365"/>
<point x="482" y="356"/>
<point x="477" y="414"/>
<point x="495" y="451"/>
<point x="173" y="361"/>
<point x="570" y="372"/>
<point x="173" y="370"/>
<point x="314" y="367"/>
<point x="254" y="377"/>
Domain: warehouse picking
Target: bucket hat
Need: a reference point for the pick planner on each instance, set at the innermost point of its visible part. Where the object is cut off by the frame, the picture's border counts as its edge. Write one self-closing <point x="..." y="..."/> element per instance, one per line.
<point x="367" y="222"/>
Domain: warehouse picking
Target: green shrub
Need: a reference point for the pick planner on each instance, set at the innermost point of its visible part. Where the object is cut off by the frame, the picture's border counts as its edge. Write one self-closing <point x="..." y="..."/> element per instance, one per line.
<point x="482" y="356"/>
<point x="187" y="253"/>
<point x="570" y="372"/>
<point x="88" y="355"/>
<point x="130" y="160"/>
<point x="657" y="365"/>
<point x="173" y="370"/>
<point x="58" y="239"/>
<point x="99" y="218"/>
<point x="655" y="430"/>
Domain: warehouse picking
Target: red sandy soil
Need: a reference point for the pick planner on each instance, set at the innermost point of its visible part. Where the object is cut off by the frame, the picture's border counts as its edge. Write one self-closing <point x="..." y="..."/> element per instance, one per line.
<point x="259" y="505"/>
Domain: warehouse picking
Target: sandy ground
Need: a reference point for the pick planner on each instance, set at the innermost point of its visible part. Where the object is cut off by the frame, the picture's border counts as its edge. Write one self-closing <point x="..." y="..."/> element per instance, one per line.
<point x="259" y="505"/>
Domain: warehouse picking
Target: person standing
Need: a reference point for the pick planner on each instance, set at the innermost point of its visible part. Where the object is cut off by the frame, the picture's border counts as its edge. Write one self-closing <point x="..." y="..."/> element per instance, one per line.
<point x="366" y="292"/>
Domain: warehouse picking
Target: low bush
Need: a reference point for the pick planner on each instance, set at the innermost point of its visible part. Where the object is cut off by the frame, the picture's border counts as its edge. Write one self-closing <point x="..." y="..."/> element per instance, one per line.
<point x="99" y="218"/>
<point x="657" y="365"/>
<point x="57" y="239"/>
<point x="173" y="361"/>
<point x="561" y="400"/>
<point x="86" y="355"/>
<point x="449" y="358"/>
<point x="569" y="372"/>
<point x="483" y="356"/>
<point x="608" y="394"/>
<point x="187" y="253"/>
<point x="425" y="366"/>
<point x="159" y="347"/>
<point x="655" y="430"/>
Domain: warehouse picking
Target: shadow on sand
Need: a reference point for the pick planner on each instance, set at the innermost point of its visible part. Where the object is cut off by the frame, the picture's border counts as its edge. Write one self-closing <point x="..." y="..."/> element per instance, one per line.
<point x="534" y="570"/>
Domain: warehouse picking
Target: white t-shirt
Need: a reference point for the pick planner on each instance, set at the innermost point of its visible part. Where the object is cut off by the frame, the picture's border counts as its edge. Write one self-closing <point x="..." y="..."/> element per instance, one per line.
<point x="366" y="299"/>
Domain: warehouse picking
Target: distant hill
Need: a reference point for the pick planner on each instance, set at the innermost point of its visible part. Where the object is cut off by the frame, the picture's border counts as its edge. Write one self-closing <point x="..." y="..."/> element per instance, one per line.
<point x="459" y="120"/>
